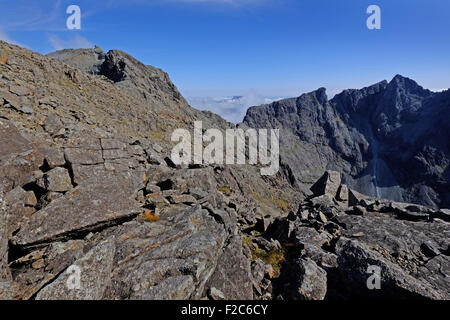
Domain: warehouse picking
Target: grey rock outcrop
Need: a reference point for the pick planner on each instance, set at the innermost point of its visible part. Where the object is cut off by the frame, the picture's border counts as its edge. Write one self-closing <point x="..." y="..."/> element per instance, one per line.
<point x="406" y="243"/>
<point x="86" y="60"/>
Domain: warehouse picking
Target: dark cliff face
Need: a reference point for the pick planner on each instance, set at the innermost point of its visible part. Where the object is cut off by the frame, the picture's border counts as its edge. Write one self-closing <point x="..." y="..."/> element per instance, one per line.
<point x="390" y="140"/>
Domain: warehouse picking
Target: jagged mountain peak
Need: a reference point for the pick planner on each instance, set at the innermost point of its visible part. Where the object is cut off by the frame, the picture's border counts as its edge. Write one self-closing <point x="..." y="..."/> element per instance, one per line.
<point x="402" y="84"/>
<point x="321" y="95"/>
<point x="379" y="136"/>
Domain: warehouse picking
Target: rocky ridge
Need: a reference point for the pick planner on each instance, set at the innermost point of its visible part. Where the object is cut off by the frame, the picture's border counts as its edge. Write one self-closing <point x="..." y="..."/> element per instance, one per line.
<point x="86" y="180"/>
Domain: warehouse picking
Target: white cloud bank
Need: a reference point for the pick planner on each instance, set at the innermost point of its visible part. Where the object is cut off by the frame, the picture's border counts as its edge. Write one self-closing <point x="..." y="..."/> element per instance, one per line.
<point x="233" y="109"/>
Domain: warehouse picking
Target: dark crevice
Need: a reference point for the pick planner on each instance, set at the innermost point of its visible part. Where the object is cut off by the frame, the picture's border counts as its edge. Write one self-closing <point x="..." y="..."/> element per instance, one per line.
<point x="39" y="192"/>
<point x="69" y="168"/>
<point x="15" y="252"/>
<point x="165" y="185"/>
<point x="331" y="246"/>
<point x="170" y="163"/>
<point x="45" y="166"/>
<point x="150" y="207"/>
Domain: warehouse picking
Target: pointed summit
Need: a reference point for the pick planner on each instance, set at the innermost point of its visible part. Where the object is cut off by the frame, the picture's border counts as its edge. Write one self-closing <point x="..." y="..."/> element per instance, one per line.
<point x="321" y="95"/>
<point x="406" y="85"/>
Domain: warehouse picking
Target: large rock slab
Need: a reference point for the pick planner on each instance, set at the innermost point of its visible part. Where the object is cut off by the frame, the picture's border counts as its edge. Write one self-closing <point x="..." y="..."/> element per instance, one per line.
<point x="171" y="258"/>
<point x="312" y="283"/>
<point x="84" y="172"/>
<point x="39" y="267"/>
<point x="94" y="271"/>
<point x="233" y="273"/>
<point x="83" y="156"/>
<point x="96" y="202"/>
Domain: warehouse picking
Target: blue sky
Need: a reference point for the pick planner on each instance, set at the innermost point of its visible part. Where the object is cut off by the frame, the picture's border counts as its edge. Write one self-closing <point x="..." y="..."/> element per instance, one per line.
<point x="269" y="48"/>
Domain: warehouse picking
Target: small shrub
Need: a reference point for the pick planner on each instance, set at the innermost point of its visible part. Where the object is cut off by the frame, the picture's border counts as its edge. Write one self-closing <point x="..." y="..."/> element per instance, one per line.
<point x="273" y="257"/>
<point x="225" y="190"/>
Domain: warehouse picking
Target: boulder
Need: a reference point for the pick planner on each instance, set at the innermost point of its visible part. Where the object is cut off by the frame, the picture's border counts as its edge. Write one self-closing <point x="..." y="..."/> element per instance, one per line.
<point x="18" y="195"/>
<point x="357" y="211"/>
<point x="57" y="180"/>
<point x="182" y="198"/>
<point x="354" y="260"/>
<point x="12" y="99"/>
<point x="53" y="156"/>
<point x="355" y="198"/>
<point x="328" y="184"/>
<point x="342" y="194"/>
<point x="84" y="172"/>
<point x="410" y="212"/>
<point x="309" y="281"/>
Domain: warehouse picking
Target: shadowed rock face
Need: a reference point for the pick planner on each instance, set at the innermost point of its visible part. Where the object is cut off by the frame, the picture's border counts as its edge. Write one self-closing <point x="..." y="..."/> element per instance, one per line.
<point x="391" y="140"/>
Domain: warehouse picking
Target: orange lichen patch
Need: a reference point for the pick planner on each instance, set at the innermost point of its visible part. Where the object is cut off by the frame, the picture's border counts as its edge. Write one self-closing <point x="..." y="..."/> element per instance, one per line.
<point x="3" y="59"/>
<point x="154" y="195"/>
<point x="145" y="177"/>
<point x="150" y="216"/>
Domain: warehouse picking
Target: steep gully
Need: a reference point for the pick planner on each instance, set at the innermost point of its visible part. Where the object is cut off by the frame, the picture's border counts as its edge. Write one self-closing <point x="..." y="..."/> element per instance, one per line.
<point x="373" y="143"/>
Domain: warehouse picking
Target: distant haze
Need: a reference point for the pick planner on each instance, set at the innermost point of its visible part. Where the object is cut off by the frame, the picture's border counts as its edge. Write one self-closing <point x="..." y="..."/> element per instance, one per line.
<point x="232" y="108"/>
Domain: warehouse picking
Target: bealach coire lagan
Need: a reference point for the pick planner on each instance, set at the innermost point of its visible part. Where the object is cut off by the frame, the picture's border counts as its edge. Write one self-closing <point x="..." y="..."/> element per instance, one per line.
<point x="93" y="205"/>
